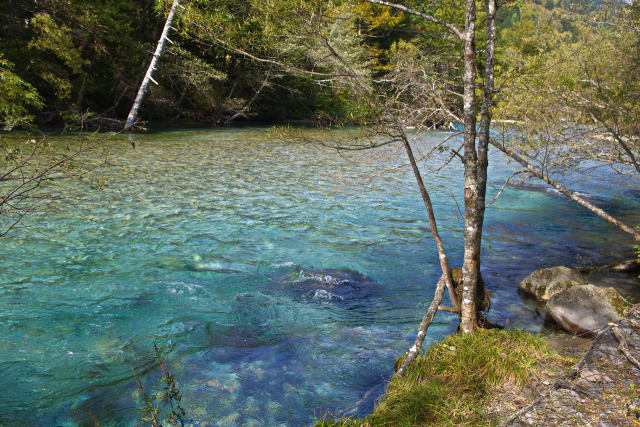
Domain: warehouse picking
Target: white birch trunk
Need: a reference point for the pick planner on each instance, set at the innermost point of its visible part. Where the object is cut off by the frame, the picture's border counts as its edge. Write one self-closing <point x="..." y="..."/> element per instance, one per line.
<point x="468" y="315"/>
<point x="133" y="114"/>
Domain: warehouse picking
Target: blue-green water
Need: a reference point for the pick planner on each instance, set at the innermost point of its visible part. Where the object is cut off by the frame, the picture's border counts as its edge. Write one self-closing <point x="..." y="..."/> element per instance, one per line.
<point x="196" y="238"/>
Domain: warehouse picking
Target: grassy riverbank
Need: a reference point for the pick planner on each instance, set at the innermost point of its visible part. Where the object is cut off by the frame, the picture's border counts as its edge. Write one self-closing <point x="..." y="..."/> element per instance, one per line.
<point x="457" y="380"/>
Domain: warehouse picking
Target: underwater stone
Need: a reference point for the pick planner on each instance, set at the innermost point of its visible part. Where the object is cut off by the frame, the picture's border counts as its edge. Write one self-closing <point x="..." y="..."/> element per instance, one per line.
<point x="251" y="406"/>
<point x="216" y="383"/>
<point x="328" y="285"/>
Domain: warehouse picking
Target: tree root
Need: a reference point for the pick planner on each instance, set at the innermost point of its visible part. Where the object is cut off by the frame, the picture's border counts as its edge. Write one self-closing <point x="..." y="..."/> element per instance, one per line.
<point x="624" y="347"/>
<point x="560" y="382"/>
<point x="485" y="323"/>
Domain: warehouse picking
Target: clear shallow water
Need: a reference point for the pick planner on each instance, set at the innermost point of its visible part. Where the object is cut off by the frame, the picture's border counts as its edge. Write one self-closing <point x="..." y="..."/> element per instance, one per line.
<point x="197" y="244"/>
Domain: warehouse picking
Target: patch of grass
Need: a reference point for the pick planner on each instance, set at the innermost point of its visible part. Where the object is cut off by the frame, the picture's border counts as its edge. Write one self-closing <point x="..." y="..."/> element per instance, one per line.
<point x="452" y="383"/>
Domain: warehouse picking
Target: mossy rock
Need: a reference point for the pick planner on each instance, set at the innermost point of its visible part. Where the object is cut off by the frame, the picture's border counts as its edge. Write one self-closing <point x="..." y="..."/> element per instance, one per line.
<point x="544" y="283"/>
<point x="585" y="309"/>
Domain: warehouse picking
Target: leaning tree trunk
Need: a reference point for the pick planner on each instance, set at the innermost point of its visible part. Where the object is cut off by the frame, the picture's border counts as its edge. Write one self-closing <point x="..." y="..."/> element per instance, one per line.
<point x="564" y="190"/>
<point x="445" y="280"/>
<point x="424" y="325"/>
<point x="433" y="225"/>
<point x="133" y="114"/>
<point x="468" y="318"/>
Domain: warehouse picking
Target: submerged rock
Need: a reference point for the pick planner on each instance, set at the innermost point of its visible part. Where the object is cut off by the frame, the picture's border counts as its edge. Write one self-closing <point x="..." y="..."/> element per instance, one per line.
<point x="324" y="285"/>
<point x="585" y="309"/>
<point x="328" y="278"/>
<point x="216" y="383"/>
<point x="324" y="295"/>
<point x="546" y="282"/>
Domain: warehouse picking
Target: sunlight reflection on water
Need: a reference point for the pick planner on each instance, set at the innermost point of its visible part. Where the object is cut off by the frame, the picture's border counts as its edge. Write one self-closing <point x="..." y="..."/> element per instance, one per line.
<point x="202" y="243"/>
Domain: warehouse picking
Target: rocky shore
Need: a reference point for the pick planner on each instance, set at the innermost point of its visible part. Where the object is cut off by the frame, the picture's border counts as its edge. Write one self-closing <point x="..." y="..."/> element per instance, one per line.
<point x="572" y="302"/>
<point x="601" y="389"/>
<point x="583" y="369"/>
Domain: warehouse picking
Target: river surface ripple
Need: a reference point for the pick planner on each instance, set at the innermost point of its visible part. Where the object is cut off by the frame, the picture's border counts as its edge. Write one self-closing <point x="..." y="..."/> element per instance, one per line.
<point x="205" y="243"/>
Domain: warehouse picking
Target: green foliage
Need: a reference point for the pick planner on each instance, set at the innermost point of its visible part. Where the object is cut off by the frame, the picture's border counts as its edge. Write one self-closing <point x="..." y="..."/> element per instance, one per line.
<point x="453" y="381"/>
<point x="53" y="40"/>
<point x="149" y="410"/>
<point x="56" y="39"/>
<point x="269" y="60"/>
<point x="252" y="59"/>
<point x="17" y="98"/>
<point x="507" y="16"/>
<point x="280" y="50"/>
<point x="572" y="85"/>
<point x="78" y="55"/>
<point x="170" y="393"/>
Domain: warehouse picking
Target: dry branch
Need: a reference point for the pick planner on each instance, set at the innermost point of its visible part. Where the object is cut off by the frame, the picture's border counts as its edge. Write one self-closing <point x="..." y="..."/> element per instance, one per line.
<point x="624" y="347"/>
<point x="422" y="329"/>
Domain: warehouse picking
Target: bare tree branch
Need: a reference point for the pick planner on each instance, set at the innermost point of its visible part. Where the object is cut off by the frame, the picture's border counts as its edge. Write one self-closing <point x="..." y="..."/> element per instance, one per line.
<point x="426" y="16"/>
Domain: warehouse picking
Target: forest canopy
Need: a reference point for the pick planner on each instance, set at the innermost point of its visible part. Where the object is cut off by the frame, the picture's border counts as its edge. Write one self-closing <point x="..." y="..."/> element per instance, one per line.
<point x="252" y="60"/>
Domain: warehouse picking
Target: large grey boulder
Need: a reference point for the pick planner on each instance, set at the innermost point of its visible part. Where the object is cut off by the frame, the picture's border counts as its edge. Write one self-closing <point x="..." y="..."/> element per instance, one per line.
<point x="546" y="282"/>
<point x="585" y="309"/>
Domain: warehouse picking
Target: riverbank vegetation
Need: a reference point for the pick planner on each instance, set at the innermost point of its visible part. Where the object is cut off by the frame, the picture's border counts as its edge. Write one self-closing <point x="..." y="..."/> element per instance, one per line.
<point x="457" y="380"/>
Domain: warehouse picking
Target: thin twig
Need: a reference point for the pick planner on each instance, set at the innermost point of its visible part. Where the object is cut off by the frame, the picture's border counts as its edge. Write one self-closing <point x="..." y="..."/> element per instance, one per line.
<point x="361" y="401"/>
<point x="505" y="185"/>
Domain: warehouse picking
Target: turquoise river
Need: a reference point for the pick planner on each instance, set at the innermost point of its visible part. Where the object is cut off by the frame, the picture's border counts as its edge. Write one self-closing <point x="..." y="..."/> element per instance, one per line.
<point x="280" y="280"/>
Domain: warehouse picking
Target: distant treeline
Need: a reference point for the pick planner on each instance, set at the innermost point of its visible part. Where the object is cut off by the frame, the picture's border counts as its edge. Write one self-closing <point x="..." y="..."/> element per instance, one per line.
<point x="62" y="59"/>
